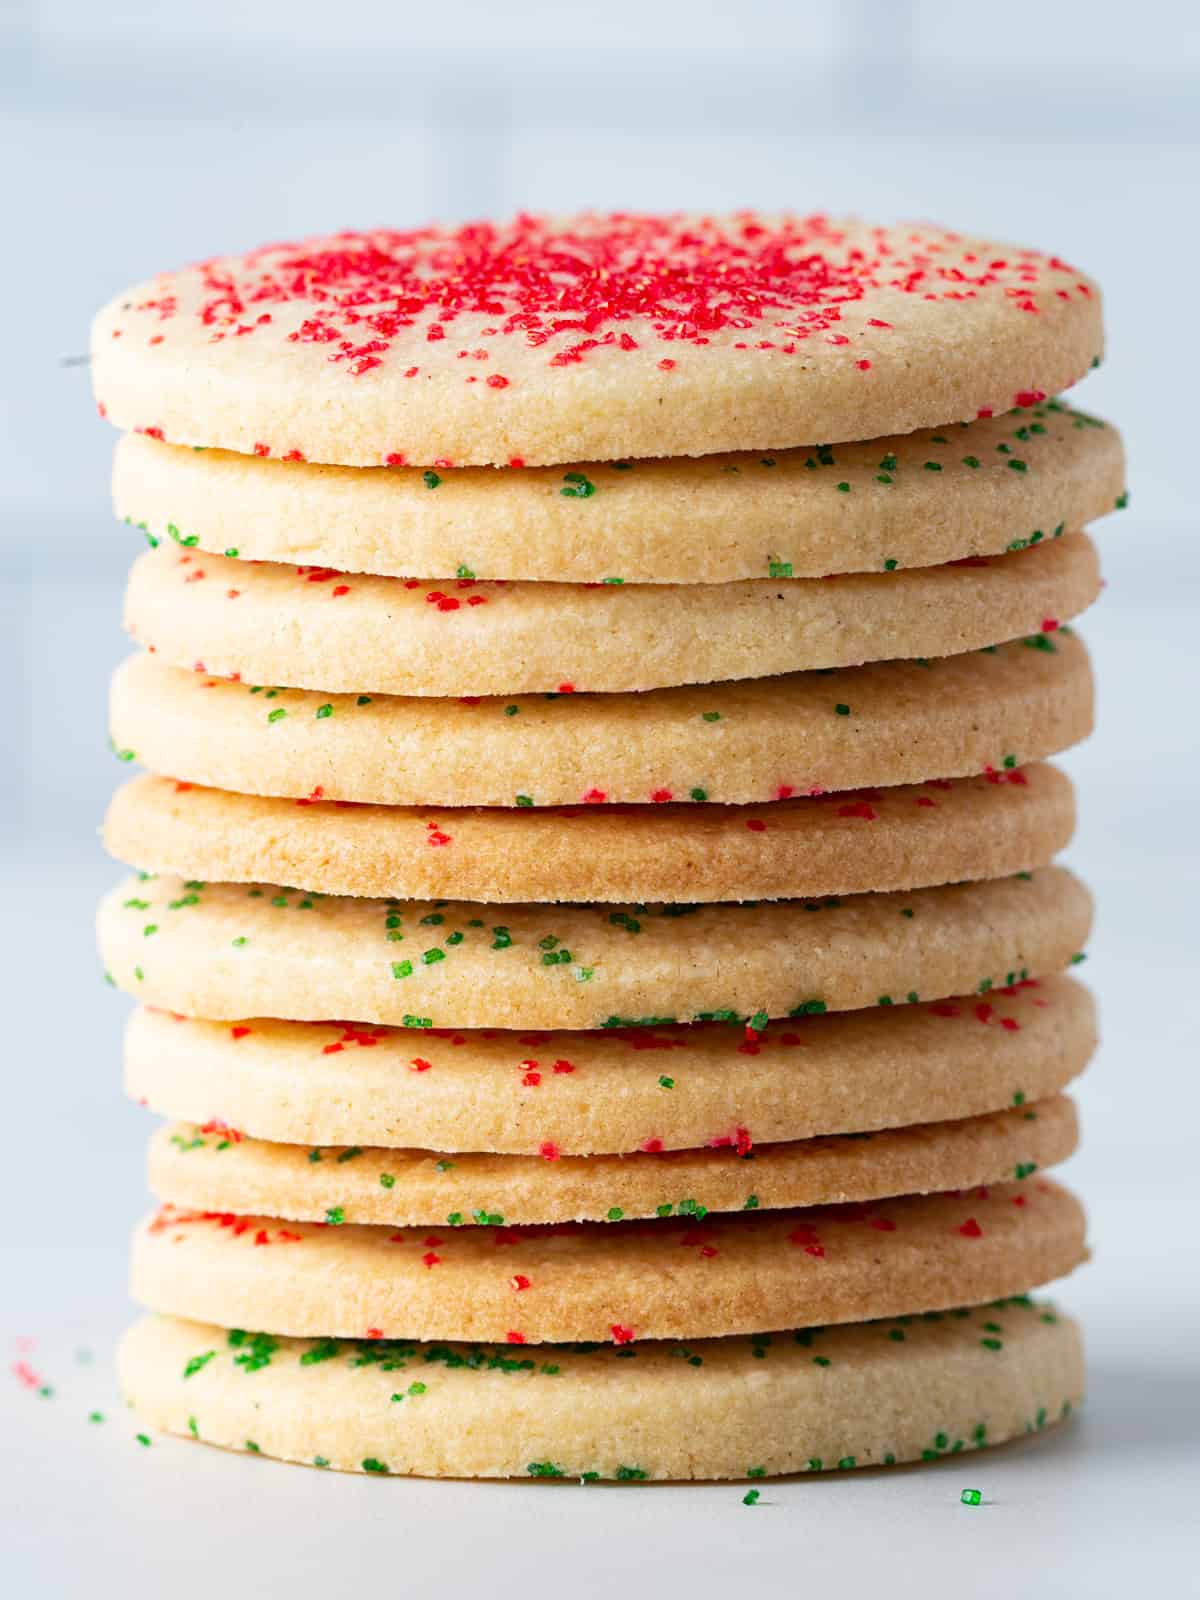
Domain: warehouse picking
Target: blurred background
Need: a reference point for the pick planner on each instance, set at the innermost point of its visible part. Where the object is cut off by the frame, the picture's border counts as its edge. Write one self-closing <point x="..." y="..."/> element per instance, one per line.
<point x="141" y="136"/>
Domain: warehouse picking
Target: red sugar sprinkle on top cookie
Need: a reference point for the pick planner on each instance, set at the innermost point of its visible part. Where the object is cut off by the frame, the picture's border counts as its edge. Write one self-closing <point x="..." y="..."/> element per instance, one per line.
<point x="596" y="336"/>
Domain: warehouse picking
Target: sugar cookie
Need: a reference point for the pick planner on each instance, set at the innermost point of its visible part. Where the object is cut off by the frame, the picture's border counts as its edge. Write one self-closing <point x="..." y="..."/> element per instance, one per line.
<point x="913" y="500"/>
<point x="230" y="951"/>
<point x="267" y="623"/>
<point x="666" y="1279"/>
<point x="766" y="739"/>
<point x="939" y="832"/>
<point x="615" y="1090"/>
<point x="212" y="1167"/>
<point x="863" y="1395"/>
<point x="542" y="340"/>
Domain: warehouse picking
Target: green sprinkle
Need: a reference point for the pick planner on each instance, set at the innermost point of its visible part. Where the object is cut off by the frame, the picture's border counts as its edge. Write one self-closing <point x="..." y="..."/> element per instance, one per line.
<point x="431" y="481"/>
<point x="699" y="794"/>
<point x="402" y="969"/>
<point x="512" y="711"/>
<point x="970" y="461"/>
<point x="750" y="1498"/>
<point x="463" y="572"/>
<point x="1121" y="501"/>
<point x="387" y="1180"/>
<point x="666" y="1083"/>
<point x="779" y="569"/>
<point x="324" y="1350"/>
<point x="197" y="1363"/>
<point x="933" y="466"/>
<point x="370" y="1464"/>
<point x="95" y="1416"/>
<point x="277" y="715"/>
<point x="363" y="700"/>
<point x="524" y="800"/>
<point x="890" y="564"/>
<point x="615" y="1214"/>
<point x="1018" y="465"/>
<point x="843" y="488"/>
<point x="323" y="712"/>
<point x="577" y="486"/>
<point x="335" y="1216"/>
<point x="545" y="1469"/>
<point x="142" y="1438"/>
<point x="971" y="1497"/>
<point x="842" y="710"/>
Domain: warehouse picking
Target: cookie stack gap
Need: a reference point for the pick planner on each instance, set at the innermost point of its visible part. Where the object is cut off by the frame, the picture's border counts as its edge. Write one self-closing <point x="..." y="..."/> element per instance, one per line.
<point x="597" y="933"/>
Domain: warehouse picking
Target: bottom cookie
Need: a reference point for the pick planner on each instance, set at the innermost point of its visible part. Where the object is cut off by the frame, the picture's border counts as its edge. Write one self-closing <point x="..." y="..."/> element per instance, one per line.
<point x="866" y="1395"/>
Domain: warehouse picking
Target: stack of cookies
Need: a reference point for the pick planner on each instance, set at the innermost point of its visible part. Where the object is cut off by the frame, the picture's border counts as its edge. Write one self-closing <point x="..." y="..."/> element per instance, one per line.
<point x="596" y="933"/>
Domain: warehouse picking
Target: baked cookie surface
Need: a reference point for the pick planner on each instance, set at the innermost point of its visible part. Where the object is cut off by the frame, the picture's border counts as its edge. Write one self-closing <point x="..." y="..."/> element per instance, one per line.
<point x="214" y="1168"/>
<point x="615" y="1090"/>
<point x="320" y="629"/>
<point x="764" y="739"/>
<point x="556" y="340"/>
<point x="810" y="1401"/>
<point x="230" y="951"/>
<point x="675" y="1278"/>
<point x="914" y="500"/>
<point x="915" y="834"/>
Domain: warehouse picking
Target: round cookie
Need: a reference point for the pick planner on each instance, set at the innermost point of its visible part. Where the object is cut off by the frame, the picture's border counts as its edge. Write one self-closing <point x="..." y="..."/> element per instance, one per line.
<point x="266" y="623"/>
<point x="912" y="500"/>
<point x="615" y="1090"/>
<point x="740" y="743"/>
<point x="620" y="1281"/>
<point x="227" y="951"/>
<point x="214" y="1168"/>
<point x="939" y="832"/>
<point x="542" y="340"/>
<point x="869" y="1395"/>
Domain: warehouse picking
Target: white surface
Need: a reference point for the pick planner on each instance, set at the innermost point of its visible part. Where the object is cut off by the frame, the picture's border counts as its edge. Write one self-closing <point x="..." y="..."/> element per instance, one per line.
<point x="153" y="133"/>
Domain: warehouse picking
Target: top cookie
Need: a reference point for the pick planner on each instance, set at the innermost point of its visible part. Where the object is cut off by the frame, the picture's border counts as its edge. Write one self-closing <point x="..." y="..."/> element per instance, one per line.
<point x="589" y="338"/>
